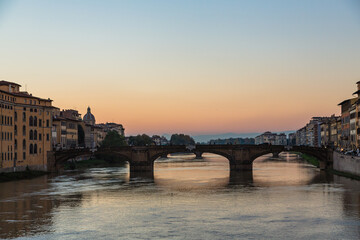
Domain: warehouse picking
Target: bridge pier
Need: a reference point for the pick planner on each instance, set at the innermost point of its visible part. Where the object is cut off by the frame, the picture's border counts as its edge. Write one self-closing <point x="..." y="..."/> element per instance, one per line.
<point x="147" y="175"/>
<point x="276" y="154"/>
<point x="241" y="167"/>
<point x="244" y="177"/>
<point x="198" y="155"/>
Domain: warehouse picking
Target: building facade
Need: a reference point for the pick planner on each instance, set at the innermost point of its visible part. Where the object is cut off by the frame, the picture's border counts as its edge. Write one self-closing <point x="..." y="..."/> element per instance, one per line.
<point x="26" y="123"/>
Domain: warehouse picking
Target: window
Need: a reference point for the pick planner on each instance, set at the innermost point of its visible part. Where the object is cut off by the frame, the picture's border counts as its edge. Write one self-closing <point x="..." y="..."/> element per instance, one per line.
<point x="35" y="148"/>
<point x="35" y="121"/>
<point x="47" y="123"/>
<point x="31" y="135"/>
<point x="24" y="117"/>
<point x="15" y="144"/>
<point x="31" y="150"/>
<point x="15" y="116"/>
<point x="47" y="137"/>
<point x="24" y="155"/>
<point x="31" y="123"/>
<point x="15" y="130"/>
<point x="40" y="136"/>
<point x="24" y="130"/>
<point x="35" y="135"/>
<point x="39" y="122"/>
<point x="24" y="144"/>
<point x="11" y="121"/>
<point x="15" y="156"/>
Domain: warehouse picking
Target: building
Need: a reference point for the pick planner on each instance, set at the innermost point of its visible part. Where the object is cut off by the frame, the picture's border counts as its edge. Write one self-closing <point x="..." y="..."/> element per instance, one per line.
<point x="280" y="139"/>
<point x="292" y="139"/>
<point x="89" y="118"/>
<point x="113" y="127"/>
<point x="271" y="138"/>
<point x="26" y="123"/>
<point x="65" y="130"/>
<point x="330" y="130"/>
<point x="159" y="141"/>
<point x="301" y="137"/>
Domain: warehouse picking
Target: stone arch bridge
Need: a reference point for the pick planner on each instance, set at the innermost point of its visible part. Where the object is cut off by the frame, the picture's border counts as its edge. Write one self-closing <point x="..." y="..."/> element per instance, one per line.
<point x="141" y="159"/>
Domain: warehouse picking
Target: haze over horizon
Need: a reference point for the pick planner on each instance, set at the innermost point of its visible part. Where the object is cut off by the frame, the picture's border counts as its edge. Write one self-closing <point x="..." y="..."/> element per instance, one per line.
<point x="194" y="67"/>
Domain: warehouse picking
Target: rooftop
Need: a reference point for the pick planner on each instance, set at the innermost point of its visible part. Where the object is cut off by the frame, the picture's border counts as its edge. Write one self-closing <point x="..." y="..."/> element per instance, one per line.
<point x="3" y="82"/>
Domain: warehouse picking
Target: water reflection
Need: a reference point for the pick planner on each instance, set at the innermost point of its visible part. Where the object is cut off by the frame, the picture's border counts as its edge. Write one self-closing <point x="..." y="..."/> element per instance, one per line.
<point x="282" y="197"/>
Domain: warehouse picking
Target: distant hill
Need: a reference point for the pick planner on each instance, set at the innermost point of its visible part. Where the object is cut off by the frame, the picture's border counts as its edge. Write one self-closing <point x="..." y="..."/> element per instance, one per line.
<point x="207" y="137"/>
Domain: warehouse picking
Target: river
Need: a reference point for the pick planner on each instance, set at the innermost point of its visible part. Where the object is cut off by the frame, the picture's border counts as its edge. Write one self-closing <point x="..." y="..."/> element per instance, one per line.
<point x="284" y="198"/>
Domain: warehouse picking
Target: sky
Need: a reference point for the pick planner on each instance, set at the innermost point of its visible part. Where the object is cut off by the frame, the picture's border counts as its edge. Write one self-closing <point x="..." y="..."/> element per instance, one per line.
<point x="195" y="67"/>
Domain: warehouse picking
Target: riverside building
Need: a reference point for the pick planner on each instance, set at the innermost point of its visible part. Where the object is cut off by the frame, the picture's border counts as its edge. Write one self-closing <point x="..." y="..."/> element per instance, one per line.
<point x="25" y="127"/>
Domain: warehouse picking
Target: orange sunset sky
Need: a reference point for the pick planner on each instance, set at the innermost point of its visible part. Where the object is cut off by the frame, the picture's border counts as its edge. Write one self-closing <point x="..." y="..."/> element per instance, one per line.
<point x="196" y="67"/>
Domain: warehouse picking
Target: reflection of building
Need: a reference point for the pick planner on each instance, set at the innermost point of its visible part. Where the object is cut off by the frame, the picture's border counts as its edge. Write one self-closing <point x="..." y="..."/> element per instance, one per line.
<point x="26" y="123"/>
<point x="29" y="211"/>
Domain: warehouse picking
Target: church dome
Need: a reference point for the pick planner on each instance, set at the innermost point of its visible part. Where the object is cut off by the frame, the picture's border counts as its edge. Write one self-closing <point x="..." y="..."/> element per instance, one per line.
<point x="89" y="117"/>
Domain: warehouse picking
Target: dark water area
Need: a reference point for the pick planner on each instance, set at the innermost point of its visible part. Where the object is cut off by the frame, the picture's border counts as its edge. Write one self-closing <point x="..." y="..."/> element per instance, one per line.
<point x="283" y="198"/>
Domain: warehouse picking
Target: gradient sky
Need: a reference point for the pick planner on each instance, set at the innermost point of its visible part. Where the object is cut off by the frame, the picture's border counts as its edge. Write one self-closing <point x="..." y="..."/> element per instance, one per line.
<point x="186" y="66"/>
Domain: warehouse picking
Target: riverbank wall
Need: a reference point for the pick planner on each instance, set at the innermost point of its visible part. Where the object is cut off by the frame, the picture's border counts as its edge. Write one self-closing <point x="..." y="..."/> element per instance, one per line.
<point x="346" y="163"/>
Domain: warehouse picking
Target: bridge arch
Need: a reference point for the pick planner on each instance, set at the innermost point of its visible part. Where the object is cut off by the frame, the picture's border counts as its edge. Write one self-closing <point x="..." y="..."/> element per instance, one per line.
<point x="157" y="155"/>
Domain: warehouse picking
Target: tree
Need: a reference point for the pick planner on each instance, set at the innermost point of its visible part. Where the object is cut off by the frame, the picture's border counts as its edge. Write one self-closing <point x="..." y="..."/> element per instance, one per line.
<point x="140" y="140"/>
<point x="181" y="139"/>
<point x="113" y="139"/>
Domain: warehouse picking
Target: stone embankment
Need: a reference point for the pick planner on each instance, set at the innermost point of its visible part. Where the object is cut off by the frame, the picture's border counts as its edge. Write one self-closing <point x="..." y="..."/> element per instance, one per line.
<point x="347" y="164"/>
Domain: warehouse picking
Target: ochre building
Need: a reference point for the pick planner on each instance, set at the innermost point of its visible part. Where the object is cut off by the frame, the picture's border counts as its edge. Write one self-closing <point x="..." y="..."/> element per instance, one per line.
<point x="25" y="127"/>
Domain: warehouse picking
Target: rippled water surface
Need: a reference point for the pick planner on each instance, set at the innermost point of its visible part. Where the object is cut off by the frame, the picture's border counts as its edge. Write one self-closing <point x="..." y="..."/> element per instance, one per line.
<point x="284" y="198"/>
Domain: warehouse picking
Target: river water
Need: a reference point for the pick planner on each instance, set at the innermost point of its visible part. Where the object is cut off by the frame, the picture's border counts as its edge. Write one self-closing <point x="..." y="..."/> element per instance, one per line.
<point x="284" y="198"/>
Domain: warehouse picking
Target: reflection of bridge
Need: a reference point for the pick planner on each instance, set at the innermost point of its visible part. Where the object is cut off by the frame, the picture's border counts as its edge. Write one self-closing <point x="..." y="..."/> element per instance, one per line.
<point x="241" y="157"/>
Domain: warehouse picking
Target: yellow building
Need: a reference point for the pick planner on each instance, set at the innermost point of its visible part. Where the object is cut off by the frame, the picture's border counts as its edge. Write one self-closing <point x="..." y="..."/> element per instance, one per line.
<point x="25" y="127"/>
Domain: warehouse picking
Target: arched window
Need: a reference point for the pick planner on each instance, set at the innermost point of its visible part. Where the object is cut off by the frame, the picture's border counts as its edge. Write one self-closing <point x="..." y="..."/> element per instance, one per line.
<point x="31" y="149"/>
<point x="31" y="123"/>
<point x="24" y="116"/>
<point x="15" y="144"/>
<point x="39" y="122"/>
<point x="15" y="116"/>
<point x="35" y="135"/>
<point x="24" y="144"/>
<point x="35" y="148"/>
<point x="31" y="135"/>
<point x="24" y="130"/>
<point x="35" y="121"/>
<point x="15" y="130"/>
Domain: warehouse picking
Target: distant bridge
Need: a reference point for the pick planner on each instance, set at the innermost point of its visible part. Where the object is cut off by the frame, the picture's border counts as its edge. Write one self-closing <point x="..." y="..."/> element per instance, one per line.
<point x="241" y="157"/>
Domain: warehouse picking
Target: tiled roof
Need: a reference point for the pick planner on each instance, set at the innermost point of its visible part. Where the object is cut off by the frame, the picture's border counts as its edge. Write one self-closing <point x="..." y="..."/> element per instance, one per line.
<point x="3" y="82"/>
